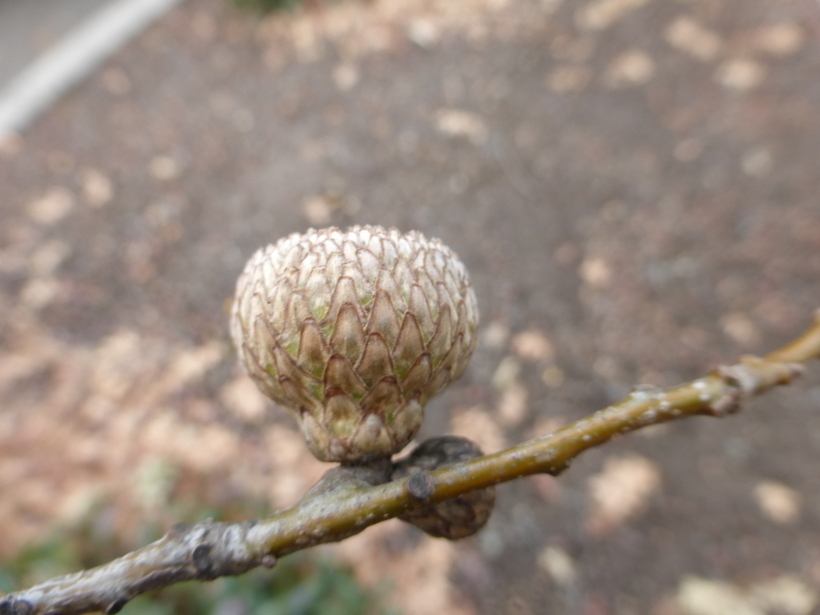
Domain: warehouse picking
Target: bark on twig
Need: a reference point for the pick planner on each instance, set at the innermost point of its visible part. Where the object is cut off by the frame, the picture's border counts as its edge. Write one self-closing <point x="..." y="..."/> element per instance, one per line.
<point x="350" y="498"/>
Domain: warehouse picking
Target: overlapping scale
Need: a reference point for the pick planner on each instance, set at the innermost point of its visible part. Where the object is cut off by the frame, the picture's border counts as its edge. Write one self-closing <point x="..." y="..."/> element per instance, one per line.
<point x="354" y="332"/>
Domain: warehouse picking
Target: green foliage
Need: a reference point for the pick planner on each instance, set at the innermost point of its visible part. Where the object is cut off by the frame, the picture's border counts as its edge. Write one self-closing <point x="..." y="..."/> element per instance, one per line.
<point x="300" y="584"/>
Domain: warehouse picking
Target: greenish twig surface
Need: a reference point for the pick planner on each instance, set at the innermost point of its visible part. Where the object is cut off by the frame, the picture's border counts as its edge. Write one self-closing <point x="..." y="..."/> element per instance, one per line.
<point x="350" y="498"/>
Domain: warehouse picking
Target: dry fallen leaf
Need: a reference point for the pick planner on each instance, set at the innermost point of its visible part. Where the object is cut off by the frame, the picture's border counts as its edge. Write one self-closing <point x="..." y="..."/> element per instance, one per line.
<point x="559" y="565"/>
<point x="621" y="491"/>
<point x="630" y="69"/>
<point x="532" y="345"/>
<point x="97" y="188"/>
<point x="346" y="76"/>
<point x="53" y="206"/>
<point x="686" y="35"/>
<point x="317" y="210"/>
<point x="423" y="32"/>
<point x="477" y="425"/>
<point x="495" y="335"/>
<point x="740" y="328"/>
<point x="460" y="123"/>
<point x="164" y="168"/>
<point x="506" y="374"/>
<point x="698" y="596"/>
<point x="242" y="397"/>
<point x="512" y="405"/>
<point x="601" y="14"/>
<point x="780" y="39"/>
<point x="778" y="502"/>
<point x="741" y="74"/>
<point x="784" y="595"/>
<point x="596" y="272"/>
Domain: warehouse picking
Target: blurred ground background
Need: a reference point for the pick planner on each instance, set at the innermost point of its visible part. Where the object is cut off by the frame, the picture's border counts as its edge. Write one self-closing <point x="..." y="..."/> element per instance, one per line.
<point x="632" y="184"/>
<point x="29" y="28"/>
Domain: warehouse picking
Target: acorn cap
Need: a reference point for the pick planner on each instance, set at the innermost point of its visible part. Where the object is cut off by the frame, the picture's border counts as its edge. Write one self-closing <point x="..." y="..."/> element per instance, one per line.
<point x="354" y="332"/>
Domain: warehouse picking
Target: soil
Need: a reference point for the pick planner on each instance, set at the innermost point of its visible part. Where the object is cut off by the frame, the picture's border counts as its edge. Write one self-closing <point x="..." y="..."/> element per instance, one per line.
<point x="632" y="185"/>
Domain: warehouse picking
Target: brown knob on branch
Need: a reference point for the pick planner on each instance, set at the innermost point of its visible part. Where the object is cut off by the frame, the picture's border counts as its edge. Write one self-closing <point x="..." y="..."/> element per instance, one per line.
<point x="458" y="517"/>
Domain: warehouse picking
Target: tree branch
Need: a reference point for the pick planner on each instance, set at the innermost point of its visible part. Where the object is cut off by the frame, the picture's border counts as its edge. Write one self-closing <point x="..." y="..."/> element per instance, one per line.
<point x="350" y="498"/>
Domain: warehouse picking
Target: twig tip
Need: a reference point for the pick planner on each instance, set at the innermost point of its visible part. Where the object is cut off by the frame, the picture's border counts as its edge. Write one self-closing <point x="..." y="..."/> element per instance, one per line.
<point x="729" y="403"/>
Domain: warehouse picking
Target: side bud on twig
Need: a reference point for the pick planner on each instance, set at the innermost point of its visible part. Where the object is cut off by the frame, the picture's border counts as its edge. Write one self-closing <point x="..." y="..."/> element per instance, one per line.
<point x="354" y="332"/>
<point x="456" y="518"/>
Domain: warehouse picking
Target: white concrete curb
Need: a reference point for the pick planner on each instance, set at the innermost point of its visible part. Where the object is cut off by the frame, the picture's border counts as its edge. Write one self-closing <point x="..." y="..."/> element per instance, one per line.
<point x="72" y="59"/>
